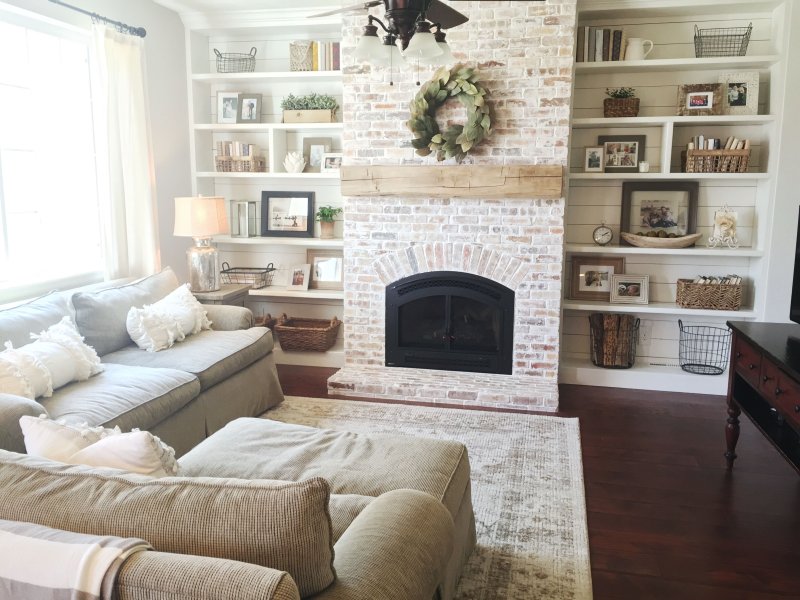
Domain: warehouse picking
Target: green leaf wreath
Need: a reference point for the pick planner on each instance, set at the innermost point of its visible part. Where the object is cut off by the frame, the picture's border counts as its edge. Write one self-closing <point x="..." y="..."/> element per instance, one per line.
<point x="460" y="82"/>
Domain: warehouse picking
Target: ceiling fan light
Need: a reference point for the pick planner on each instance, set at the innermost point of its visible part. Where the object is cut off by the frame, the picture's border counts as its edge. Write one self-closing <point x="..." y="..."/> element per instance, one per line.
<point x="387" y="55"/>
<point x="445" y="58"/>
<point x="368" y="45"/>
<point x="423" y="44"/>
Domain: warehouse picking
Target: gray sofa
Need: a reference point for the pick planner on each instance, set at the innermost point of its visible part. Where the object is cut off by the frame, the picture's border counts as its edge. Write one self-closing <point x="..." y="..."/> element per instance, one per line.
<point x="182" y="394"/>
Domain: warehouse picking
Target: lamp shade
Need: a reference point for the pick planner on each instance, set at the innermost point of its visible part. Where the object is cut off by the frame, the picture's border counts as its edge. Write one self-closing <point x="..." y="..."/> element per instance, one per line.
<point x="368" y="46"/>
<point x="422" y="45"/>
<point x="445" y="58"/>
<point x="200" y="216"/>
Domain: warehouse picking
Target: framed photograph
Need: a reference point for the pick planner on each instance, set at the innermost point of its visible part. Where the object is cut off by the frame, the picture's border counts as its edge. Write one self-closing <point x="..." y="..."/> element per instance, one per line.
<point x="739" y="93"/>
<point x="249" y="108"/>
<point x="331" y="162"/>
<point x="629" y="289"/>
<point x="287" y="214"/>
<point x="299" y="277"/>
<point x="668" y="206"/>
<point x="227" y="107"/>
<point x="593" y="161"/>
<point x="622" y="153"/>
<point x="591" y="276"/>
<point x="313" y="149"/>
<point x="724" y="228"/>
<point x="700" y="99"/>
<point x="327" y="269"/>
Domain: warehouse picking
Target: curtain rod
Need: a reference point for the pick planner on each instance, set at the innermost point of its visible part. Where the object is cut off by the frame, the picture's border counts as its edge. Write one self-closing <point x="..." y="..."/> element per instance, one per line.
<point x="121" y="27"/>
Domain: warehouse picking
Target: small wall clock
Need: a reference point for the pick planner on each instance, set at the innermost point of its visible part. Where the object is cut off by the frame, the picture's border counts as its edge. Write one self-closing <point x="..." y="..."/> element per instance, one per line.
<point x="602" y="235"/>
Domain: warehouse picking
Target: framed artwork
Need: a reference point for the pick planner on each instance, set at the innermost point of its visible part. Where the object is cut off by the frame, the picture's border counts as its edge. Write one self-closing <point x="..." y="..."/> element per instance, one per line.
<point x="591" y="276"/>
<point x="227" y="107"/>
<point x="739" y="93"/>
<point x="724" y="228"/>
<point x="313" y="149"/>
<point x="249" y="108"/>
<point x="700" y="99"/>
<point x="327" y="269"/>
<point x="287" y="214"/>
<point x="593" y="161"/>
<point x="299" y="276"/>
<point x="629" y="289"/>
<point x="331" y="162"/>
<point x="622" y="153"/>
<point x="668" y="206"/>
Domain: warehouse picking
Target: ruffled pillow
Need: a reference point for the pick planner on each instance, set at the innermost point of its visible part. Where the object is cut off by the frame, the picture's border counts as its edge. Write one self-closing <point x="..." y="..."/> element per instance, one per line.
<point x="158" y="326"/>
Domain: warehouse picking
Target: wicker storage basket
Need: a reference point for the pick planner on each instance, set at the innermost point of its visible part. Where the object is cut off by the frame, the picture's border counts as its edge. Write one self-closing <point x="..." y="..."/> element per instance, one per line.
<point x="620" y="107"/>
<point x="266" y="320"/>
<point x="306" y="334"/>
<point x="708" y="296"/>
<point x="716" y="161"/>
<point x="240" y="164"/>
<point x="612" y="340"/>
<point x="300" y="56"/>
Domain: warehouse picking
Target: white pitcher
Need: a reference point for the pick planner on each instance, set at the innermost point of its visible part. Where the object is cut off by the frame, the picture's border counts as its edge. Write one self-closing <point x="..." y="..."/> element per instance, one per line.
<point x="635" y="49"/>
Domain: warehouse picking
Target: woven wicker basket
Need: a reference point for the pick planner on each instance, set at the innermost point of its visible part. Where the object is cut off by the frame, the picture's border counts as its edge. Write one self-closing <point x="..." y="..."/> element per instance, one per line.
<point x="716" y="161"/>
<point x="620" y="107"/>
<point x="266" y="320"/>
<point x="240" y="164"/>
<point x="307" y="334"/>
<point x="708" y="296"/>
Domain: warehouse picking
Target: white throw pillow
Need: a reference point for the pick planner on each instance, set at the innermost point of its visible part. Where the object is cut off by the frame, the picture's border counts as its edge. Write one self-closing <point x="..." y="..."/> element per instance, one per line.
<point x="57" y="441"/>
<point x="158" y="326"/>
<point x="12" y="381"/>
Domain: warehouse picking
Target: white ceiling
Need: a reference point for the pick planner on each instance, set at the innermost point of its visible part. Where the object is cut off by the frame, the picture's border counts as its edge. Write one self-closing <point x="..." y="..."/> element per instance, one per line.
<point x="218" y="6"/>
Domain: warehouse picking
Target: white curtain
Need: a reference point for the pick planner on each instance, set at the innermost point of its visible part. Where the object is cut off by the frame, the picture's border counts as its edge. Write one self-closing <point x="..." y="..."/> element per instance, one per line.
<point x="129" y="217"/>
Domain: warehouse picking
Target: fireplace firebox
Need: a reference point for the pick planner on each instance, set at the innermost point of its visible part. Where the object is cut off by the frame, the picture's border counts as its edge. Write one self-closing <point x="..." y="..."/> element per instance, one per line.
<point x="449" y="320"/>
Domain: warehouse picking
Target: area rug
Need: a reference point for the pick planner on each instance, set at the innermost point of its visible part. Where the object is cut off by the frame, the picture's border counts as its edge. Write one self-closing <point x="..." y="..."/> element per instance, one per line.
<point x="527" y="490"/>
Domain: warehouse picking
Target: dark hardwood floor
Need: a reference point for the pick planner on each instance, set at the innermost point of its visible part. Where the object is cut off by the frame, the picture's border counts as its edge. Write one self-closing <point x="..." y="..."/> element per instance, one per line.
<point x="666" y="520"/>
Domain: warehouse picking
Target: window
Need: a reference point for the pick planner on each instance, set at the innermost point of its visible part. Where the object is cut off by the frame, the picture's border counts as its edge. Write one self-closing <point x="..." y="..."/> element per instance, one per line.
<point x="50" y="229"/>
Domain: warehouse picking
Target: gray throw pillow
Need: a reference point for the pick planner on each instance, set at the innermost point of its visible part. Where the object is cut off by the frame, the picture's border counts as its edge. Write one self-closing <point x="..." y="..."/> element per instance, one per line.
<point x="19" y="322"/>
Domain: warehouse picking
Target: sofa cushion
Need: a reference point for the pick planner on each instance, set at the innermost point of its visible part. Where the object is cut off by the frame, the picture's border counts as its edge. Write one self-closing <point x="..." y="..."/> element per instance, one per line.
<point x="125" y="396"/>
<point x="18" y="322"/>
<point x="276" y="524"/>
<point x="100" y="316"/>
<point x="369" y="465"/>
<point x="159" y="325"/>
<point x="211" y="355"/>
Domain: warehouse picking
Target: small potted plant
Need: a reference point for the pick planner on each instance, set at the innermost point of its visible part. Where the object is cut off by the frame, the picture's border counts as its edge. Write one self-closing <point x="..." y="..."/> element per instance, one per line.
<point x="326" y="215"/>
<point x="313" y="108"/>
<point x="621" y="102"/>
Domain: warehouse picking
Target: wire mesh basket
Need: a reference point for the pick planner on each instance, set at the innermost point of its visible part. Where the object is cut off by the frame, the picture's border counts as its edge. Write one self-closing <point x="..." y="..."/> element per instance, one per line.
<point x="721" y="41"/>
<point x="236" y="62"/>
<point x="255" y="278"/>
<point x="702" y="349"/>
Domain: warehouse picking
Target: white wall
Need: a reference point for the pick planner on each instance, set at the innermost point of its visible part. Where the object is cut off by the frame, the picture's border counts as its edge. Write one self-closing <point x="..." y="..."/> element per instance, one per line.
<point x="166" y="74"/>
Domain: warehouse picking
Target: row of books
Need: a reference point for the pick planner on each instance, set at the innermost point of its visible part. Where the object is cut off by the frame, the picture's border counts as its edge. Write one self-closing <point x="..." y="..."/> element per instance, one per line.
<point x="715" y="280"/>
<point x="325" y="56"/>
<point x="236" y="149"/>
<point x="700" y="142"/>
<point x="597" y="44"/>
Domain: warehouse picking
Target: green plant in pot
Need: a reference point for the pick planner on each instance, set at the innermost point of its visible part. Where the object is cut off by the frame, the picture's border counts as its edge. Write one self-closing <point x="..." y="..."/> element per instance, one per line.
<point x="312" y="108"/>
<point x="326" y="215"/>
<point x="621" y="102"/>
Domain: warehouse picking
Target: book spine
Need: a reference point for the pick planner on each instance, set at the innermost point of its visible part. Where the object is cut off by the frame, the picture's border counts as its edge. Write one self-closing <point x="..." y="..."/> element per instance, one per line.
<point x="336" y="65"/>
<point x="598" y="53"/>
<point x="616" y="44"/>
<point x="314" y="57"/>
<point x="592" y="43"/>
<point x="580" y="43"/>
<point x="606" y="44"/>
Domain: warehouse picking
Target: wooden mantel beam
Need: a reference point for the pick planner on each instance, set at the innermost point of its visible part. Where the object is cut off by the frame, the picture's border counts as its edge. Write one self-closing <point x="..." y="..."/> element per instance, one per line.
<point x="462" y="181"/>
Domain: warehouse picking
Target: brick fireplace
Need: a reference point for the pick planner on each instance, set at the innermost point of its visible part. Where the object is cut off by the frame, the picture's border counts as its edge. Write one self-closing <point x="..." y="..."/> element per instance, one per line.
<point x="391" y="232"/>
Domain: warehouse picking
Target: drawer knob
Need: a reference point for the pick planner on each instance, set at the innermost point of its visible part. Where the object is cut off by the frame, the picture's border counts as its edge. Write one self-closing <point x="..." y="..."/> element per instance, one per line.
<point x="765" y="378"/>
<point x="751" y="366"/>
<point x="778" y="391"/>
<point x="797" y="408"/>
<point x="738" y="355"/>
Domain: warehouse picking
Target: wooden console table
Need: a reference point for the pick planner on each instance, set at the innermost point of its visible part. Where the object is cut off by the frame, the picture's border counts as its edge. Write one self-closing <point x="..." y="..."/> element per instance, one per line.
<point x="764" y="383"/>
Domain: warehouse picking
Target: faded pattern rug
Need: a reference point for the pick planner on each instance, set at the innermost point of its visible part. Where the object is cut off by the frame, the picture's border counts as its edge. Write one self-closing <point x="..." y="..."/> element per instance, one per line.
<point x="527" y="490"/>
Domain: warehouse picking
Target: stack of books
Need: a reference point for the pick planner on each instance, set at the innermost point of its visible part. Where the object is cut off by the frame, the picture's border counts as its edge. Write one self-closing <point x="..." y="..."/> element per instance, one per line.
<point x="700" y="142"/>
<point x="598" y="44"/>
<point x="236" y="149"/>
<point x="718" y="280"/>
<point x="325" y="56"/>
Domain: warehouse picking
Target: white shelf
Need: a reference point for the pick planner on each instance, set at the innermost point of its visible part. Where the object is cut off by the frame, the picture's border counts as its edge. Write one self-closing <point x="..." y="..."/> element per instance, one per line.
<point x="265" y="76"/>
<point x="263" y="127"/>
<point x="692" y="252"/>
<point x="280" y="241"/>
<point x="226" y="175"/>
<point x="663" y="308"/>
<point x="273" y="292"/>
<point x="657" y="175"/>
<point x="678" y="64"/>
<point x="333" y="357"/>
<point x="658" y="121"/>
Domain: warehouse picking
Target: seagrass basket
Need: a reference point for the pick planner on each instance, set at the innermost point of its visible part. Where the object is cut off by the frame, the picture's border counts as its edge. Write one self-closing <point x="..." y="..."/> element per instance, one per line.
<point x="717" y="161"/>
<point x="300" y="334"/>
<point x="710" y="296"/>
<point x="620" y="107"/>
<point x="240" y="164"/>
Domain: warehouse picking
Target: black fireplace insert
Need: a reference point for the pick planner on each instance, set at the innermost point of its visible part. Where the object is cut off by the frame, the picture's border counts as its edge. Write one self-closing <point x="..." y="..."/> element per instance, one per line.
<point x="449" y="320"/>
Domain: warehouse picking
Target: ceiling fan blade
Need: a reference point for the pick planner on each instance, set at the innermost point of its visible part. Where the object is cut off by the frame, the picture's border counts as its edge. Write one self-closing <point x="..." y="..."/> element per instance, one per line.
<point x="351" y="8"/>
<point x="439" y="12"/>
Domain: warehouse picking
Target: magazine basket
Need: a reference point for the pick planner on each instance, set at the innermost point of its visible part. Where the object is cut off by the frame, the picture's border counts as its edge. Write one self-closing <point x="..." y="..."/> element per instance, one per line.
<point x="716" y="161"/>
<point x="236" y="62"/>
<point x="612" y="340"/>
<point x="721" y="41"/>
<point x="306" y="334"/>
<point x="709" y="296"/>
<point x="240" y="164"/>
<point x="255" y="278"/>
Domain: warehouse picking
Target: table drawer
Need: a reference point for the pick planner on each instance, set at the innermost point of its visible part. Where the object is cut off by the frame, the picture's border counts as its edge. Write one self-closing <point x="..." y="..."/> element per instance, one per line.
<point x="747" y="361"/>
<point x="786" y="398"/>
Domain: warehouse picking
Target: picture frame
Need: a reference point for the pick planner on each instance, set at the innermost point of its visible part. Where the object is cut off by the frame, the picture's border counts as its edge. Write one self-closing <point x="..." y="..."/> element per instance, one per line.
<point x="331" y="162"/>
<point x="327" y="269"/>
<point x="593" y="160"/>
<point x="227" y="107"/>
<point x="700" y="99"/>
<point x="313" y="149"/>
<point x="724" y="232"/>
<point x="622" y="153"/>
<point x="670" y="206"/>
<point x="739" y="93"/>
<point x="630" y="289"/>
<point x="299" y="277"/>
<point x="249" y="110"/>
<point x="591" y="276"/>
<point x="287" y="214"/>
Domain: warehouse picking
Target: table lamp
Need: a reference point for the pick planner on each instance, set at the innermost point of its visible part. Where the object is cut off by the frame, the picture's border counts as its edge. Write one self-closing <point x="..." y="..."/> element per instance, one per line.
<point x="200" y="218"/>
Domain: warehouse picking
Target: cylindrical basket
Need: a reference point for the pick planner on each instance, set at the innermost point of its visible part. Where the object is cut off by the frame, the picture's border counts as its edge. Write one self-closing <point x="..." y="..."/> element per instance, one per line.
<point x="620" y="107"/>
<point x="613" y="339"/>
<point x="306" y="334"/>
<point x="703" y="350"/>
<point x="709" y="296"/>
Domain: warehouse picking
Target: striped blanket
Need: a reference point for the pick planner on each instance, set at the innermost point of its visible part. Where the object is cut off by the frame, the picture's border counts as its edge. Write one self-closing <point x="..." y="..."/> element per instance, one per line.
<point x="40" y="563"/>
